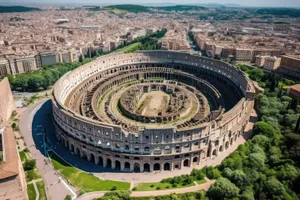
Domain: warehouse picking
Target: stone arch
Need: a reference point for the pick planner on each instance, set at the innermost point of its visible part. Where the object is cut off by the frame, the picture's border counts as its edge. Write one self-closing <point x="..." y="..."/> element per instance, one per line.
<point x="186" y="163"/>
<point x="146" y="167"/>
<point x="84" y="155"/>
<point x="127" y="166"/>
<point x="195" y="159"/>
<point x="214" y="152"/>
<point x="72" y="148"/>
<point x="226" y="145"/>
<point x="77" y="151"/>
<point x="92" y="158"/>
<point x="167" y="167"/>
<point x="108" y="163"/>
<point x="156" y="167"/>
<point x="136" y="167"/>
<point x="100" y="161"/>
<point x="221" y="148"/>
<point x="117" y="165"/>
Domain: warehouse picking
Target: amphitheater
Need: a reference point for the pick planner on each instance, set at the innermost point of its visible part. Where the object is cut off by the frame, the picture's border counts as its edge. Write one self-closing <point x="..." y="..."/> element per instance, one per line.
<point x="151" y="110"/>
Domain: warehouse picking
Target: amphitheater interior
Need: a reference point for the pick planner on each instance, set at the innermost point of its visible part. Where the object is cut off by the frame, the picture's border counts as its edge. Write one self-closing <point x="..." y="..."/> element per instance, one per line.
<point x="151" y="110"/>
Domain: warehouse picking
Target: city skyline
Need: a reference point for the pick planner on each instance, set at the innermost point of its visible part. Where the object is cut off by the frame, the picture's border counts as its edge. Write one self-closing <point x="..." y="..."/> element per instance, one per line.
<point x="254" y="3"/>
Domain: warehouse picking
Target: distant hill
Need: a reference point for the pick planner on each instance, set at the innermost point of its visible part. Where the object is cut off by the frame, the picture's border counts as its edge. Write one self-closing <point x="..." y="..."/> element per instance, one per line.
<point x="10" y="9"/>
<point x="233" y="5"/>
<point x="210" y="5"/>
<point x="180" y="8"/>
<point x="128" y="8"/>
<point x="280" y="12"/>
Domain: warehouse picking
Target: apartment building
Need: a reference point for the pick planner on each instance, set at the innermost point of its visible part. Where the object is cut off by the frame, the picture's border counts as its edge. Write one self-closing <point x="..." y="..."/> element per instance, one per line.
<point x="290" y="65"/>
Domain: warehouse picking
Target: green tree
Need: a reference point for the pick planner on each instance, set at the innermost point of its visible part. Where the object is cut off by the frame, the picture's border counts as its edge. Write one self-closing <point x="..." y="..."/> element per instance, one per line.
<point x="239" y="178"/>
<point x="29" y="165"/>
<point x="68" y="197"/>
<point x="222" y="189"/>
<point x="247" y="195"/>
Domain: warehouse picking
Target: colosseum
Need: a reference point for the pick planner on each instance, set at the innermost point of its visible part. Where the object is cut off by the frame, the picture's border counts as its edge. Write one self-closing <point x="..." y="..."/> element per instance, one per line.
<point x="151" y="110"/>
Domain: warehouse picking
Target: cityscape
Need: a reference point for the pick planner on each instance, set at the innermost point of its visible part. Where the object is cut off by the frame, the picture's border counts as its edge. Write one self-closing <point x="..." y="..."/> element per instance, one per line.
<point x="149" y="100"/>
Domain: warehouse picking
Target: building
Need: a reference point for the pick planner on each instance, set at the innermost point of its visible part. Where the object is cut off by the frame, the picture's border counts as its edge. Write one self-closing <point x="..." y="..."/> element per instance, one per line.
<point x="260" y="61"/>
<point x="7" y="103"/>
<point x="272" y="63"/>
<point x="265" y="52"/>
<point x="12" y="177"/>
<point x="4" y="67"/>
<point x="294" y="91"/>
<point x="244" y="54"/>
<point x="110" y="140"/>
<point x="290" y="66"/>
<point x="68" y="56"/>
<point x="48" y="58"/>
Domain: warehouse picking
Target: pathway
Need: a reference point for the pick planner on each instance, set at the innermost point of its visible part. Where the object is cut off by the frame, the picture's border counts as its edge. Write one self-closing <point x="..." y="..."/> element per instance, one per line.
<point x="197" y="187"/>
<point x="31" y="128"/>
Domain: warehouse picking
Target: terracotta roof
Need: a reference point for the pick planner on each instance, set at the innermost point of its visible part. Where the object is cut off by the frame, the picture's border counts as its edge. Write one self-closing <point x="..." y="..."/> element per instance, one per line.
<point x="10" y="166"/>
<point x="295" y="87"/>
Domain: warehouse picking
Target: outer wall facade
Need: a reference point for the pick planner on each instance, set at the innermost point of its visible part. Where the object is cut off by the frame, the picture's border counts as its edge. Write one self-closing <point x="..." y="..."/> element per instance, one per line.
<point x="149" y="149"/>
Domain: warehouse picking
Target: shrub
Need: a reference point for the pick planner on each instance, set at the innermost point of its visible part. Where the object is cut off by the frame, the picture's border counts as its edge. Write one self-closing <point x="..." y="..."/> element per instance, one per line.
<point x="29" y="165"/>
<point x="114" y="188"/>
<point x="68" y="197"/>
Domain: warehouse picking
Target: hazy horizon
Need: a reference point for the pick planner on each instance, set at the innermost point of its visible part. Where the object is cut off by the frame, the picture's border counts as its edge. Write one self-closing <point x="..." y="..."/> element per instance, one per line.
<point x="254" y="3"/>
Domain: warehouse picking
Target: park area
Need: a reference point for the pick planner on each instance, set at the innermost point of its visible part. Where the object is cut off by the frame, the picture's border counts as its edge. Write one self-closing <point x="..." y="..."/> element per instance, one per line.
<point x="83" y="181"/>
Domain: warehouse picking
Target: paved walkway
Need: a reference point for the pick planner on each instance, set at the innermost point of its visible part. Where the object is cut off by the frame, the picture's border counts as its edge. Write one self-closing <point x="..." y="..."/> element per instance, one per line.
<point x="197" y="187"/>
<point x="31" y="128"/>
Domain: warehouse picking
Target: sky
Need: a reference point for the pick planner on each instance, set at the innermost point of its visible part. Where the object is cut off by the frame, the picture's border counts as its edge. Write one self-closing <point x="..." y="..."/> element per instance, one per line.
<point x="256" y="3"/>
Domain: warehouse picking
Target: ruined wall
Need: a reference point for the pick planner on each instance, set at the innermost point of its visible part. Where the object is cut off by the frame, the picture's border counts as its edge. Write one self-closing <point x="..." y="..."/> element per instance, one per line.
<point x="7" y="104"/>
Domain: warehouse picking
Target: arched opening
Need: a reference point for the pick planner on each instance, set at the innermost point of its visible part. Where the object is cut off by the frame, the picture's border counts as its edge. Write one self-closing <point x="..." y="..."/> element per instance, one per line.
<point x="92" y="158"/>
<point x="117" y="165"/>
<point x="215" y="152"/>
<point x="221" y="148"/>
<point x="186" y="163"/>
<point x="176" y="166"/>
<point x="108" y="163"/>
<point x="84" y="156"/>
<point x="136" y="167"/>
<point x="167" y="167"/>
<point x="231" y="141"/>
<point x="100" y="161"/>
<point x="156" y="167"/>
<point x="226" y="145"/>
<point x="66" y="144"/>
<point x="127" y="166"/>
<point x="146" y="167"/>
<point x="208" y="152"/>
<point x="77" y="151"/>
<point x="72" y="147"/>
<point x="195" y="159"/>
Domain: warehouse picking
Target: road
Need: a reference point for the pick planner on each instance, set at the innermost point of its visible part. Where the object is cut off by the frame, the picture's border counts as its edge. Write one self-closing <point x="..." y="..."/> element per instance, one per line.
<point x="32" y="129"/>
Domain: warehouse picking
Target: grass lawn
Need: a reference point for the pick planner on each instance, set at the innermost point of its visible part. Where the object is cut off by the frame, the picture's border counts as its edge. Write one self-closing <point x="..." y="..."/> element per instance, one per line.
<point x="201" y="182"/>
<point x="129" y="48"/>
<point x="32" y="174"/>
<point x="41" y="188"/>
<point x="84" y="181"/>
<point x="31" y="192"/>
<point x="158" y="186"/>
<point x="23" y="156"/>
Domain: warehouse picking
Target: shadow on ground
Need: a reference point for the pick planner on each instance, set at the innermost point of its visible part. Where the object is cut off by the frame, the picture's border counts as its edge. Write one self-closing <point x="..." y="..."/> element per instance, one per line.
<point x="45" y="139"/>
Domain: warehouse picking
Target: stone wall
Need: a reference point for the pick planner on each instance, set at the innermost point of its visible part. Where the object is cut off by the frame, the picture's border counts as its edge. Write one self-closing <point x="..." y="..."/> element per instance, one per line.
<point x="7" y="104"/>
